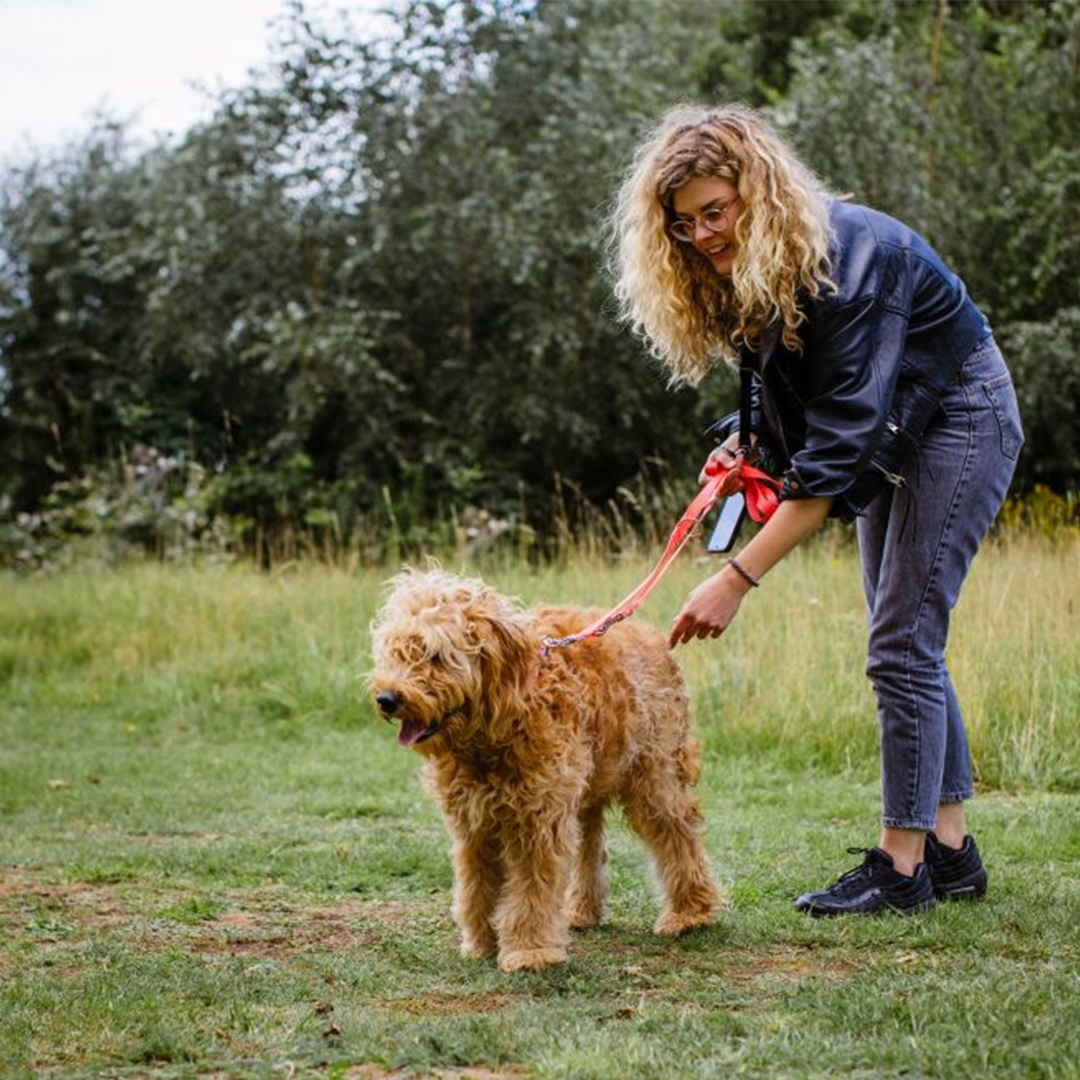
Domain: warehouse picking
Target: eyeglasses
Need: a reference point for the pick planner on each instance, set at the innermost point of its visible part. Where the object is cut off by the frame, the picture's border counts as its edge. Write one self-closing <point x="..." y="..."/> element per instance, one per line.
<point x="713" y="219"/>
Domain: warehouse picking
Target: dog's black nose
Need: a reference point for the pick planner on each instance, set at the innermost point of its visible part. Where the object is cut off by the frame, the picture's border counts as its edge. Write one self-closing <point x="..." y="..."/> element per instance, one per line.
<point x="387" y="701"/>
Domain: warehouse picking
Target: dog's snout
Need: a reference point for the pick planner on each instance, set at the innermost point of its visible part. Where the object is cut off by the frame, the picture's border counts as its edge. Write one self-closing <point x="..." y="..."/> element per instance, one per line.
<point x="388" y="701"/>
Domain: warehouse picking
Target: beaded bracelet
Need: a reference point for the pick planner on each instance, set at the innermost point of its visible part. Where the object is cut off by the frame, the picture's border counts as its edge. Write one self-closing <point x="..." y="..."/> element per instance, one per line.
<point x="743" y="572"/>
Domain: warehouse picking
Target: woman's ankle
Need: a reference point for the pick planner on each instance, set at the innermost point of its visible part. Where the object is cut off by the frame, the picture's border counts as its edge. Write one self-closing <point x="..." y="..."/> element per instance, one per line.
<point x="905" y="847"/>
<point x="951" y="825"/>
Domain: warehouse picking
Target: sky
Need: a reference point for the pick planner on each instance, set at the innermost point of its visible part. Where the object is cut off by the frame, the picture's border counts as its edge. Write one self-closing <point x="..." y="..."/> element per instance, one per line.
<point x="60" y="60"/>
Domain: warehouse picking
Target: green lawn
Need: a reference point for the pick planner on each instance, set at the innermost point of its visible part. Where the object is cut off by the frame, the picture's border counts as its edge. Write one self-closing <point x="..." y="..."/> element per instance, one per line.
<point x="214" y="861"/>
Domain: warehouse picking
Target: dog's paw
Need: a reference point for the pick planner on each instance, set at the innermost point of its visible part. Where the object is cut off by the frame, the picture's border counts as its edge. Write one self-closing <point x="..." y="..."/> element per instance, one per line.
<point x="675" y="923"/>
<point x="584" y="916"/>
<point x="530" y="959"/>
<point x="476" y="948"/>
<point x="584" y="920"/>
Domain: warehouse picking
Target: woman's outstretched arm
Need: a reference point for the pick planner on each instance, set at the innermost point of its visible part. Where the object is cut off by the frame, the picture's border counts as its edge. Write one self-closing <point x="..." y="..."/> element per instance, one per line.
<point x="712" y="605"/>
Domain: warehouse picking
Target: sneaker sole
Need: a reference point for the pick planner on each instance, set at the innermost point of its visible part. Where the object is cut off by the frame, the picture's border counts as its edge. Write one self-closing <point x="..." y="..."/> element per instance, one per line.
<point x="816" y="912"/>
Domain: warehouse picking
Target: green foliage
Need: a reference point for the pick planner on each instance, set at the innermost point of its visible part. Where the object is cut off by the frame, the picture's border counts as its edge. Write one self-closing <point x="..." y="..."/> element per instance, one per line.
<point x="369" y="287"/>
<point x="749" y="58"/>
<point x="1042" y="513"/>
<point x="1045" y="358"/>
<point x="382" y="261"/>
<point x="943" y="120"/>
<point x="154" y="505"/>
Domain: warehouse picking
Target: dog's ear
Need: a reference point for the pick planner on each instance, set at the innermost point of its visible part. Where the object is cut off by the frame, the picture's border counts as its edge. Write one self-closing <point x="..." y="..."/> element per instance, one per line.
<point x="508" y="651"/>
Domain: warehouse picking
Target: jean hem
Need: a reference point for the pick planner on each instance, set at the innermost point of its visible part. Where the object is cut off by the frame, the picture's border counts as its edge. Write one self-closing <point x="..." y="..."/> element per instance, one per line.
<point x="951" y="797"/>
<point x="920" y="824"/>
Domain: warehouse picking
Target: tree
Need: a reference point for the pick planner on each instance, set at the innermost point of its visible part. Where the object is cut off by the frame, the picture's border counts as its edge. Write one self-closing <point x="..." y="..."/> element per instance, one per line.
<point x="377" y="271"/>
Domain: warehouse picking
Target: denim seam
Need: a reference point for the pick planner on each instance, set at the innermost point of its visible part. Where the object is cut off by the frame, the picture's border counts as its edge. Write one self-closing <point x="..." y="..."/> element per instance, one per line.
<point x="913" y="795"/>
<point x="955" y="796"/>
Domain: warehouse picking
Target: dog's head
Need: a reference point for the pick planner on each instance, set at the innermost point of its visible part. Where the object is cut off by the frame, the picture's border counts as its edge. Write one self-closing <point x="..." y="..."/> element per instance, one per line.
<point x="451" y="657"/>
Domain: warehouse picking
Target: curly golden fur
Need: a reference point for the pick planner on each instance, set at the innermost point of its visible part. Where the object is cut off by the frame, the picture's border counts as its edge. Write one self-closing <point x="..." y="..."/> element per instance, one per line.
<point x="523" y="753"/>
<point x="667" y="291"/>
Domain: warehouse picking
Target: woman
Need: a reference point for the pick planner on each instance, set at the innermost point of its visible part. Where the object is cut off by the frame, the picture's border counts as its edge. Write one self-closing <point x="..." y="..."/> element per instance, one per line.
<point x="880" y="394"/>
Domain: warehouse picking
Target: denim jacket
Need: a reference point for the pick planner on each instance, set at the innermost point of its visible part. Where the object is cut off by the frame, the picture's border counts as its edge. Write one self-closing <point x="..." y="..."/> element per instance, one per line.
<point x="843" y="417"/>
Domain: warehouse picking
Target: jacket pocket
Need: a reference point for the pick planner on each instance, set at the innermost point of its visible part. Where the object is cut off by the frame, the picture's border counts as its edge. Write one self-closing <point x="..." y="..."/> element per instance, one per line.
<point x="904" y="429"/>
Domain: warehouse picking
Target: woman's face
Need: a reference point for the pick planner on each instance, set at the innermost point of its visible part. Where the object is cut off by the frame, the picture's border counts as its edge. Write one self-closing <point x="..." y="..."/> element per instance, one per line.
<point x="711" y="207"/>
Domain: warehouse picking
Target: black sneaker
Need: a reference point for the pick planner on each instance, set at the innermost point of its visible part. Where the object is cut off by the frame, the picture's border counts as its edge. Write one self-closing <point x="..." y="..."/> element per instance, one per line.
<point x="873" y="886"/>
<point x="957" y="874"/>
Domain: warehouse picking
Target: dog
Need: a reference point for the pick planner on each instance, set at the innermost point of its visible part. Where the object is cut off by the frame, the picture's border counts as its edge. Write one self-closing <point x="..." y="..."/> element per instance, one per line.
<point x="523" y="751"/>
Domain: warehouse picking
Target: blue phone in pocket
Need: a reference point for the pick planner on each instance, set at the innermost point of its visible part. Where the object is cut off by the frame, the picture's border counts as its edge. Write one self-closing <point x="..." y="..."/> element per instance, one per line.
<point x="732" y="512"/>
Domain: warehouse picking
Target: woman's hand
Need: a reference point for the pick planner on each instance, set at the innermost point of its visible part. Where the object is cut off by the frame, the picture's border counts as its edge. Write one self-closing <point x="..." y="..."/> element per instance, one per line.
<point x="709" y="609"/>
<point x="729" y="456"/>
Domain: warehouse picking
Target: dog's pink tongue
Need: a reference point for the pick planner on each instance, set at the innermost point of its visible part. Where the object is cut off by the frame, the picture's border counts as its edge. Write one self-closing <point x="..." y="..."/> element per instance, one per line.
<point x="410" y="731"/>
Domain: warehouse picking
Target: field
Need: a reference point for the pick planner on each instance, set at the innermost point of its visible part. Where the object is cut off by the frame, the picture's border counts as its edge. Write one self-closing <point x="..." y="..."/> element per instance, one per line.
<point x="215" y="861"/>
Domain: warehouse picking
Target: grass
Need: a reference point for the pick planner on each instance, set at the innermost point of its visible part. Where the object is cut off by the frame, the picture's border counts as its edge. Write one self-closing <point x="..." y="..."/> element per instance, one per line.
<point x="215" y="862"/>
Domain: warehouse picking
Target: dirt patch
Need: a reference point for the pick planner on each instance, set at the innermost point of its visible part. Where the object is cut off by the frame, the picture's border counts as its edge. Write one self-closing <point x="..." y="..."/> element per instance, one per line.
<point x="476" y="1072"/>
<point x="793" y="962"/>
<point x="451" y="1004"/>
<point x="45" y="911"/>
<point x="238" y="920"/>
<point x="11" y="881"/>
<point x="606" y="945"/>
<point x="395" y="913"/>
<point x="18" y="886"/>
<point x="22" y="896"/>
<point x="282" y="932"/>
<point x="335" y="927"/>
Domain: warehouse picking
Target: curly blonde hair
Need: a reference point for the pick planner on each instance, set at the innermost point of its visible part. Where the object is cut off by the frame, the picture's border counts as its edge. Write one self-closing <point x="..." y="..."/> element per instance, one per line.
<point x="668" y="293"/>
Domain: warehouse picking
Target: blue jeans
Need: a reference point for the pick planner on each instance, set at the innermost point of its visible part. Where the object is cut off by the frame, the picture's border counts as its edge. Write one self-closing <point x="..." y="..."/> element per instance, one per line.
<point x="916" y="544"/>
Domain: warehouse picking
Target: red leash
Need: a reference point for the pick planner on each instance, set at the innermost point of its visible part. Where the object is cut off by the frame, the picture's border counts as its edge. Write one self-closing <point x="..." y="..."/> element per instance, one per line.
<point x="762" y="498"/>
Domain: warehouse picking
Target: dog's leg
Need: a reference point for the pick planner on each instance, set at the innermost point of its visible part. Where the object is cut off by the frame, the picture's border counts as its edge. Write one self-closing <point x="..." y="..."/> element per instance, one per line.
<point x="478" y="879"/>
<point x="589" y="885"/>
<point x="531" y="920"/>
<point x="668" y="819"/>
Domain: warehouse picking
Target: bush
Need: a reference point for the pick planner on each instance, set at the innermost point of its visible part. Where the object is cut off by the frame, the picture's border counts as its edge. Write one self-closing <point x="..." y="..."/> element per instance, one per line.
<point x="152" y="505"/>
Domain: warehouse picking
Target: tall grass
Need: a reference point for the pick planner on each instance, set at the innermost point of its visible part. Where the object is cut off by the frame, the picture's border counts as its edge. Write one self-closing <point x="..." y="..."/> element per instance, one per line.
<point x="222" y="647"/>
